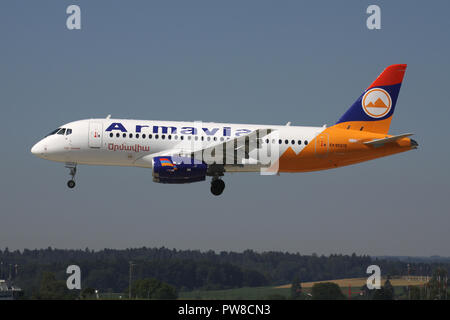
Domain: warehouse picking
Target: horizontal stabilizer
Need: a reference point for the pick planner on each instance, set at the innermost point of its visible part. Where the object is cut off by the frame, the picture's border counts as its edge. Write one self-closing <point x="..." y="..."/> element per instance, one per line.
<point x="380" y="142"/>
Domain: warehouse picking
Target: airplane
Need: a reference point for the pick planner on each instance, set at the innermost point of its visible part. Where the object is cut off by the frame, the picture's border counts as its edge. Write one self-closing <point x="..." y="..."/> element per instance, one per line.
<point x="186" y="152"/>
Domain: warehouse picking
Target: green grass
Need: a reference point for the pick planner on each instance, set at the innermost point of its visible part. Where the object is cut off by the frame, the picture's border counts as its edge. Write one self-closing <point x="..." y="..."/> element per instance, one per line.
<point x="261" y="293"/>
<point x="250" y="293"/>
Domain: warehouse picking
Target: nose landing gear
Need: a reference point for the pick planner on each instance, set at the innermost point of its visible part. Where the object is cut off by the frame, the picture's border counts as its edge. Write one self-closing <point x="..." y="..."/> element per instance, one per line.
<point x="73" y="171"/>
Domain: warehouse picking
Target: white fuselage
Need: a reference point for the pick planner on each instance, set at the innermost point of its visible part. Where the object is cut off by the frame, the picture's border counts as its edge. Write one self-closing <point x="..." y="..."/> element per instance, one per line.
<point x="122" y="142"/>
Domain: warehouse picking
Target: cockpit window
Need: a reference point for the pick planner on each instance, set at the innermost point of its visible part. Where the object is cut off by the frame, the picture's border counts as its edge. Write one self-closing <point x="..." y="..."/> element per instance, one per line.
<point x="61" y="131"/>
<point x="53" y="132"/>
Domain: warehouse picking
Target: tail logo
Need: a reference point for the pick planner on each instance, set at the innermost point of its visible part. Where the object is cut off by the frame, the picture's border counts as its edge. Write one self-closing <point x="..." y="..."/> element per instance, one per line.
<point x="376" y="103"/>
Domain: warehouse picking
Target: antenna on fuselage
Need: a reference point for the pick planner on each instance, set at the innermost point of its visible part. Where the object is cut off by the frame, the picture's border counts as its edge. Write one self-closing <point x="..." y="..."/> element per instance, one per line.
<point x="108" y="116"/>
<point x="288" y="124"/>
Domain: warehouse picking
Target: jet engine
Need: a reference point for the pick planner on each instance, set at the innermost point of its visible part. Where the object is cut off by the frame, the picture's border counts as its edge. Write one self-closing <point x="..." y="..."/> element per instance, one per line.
<point x="178" y="170"/>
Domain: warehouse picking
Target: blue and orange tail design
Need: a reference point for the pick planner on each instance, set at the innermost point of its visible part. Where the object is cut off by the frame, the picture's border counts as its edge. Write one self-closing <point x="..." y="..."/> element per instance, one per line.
<point x="373" y="110"/>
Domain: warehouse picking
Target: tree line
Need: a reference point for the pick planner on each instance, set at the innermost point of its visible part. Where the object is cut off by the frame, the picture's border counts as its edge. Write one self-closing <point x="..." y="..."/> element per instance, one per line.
<point x="108" y="270"/>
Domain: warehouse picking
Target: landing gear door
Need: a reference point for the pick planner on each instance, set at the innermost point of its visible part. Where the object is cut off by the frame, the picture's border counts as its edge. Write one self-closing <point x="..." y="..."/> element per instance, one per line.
<point x="95" y="134"/>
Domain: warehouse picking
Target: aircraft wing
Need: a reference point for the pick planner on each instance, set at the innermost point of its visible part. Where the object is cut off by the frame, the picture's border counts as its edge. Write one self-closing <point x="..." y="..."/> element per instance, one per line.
<point x="380" y="142"/>
<point x="235" y="149"/>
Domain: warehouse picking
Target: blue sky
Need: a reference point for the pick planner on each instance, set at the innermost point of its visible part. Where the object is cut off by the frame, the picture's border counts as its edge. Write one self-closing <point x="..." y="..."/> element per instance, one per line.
<point x="265" y="62"/>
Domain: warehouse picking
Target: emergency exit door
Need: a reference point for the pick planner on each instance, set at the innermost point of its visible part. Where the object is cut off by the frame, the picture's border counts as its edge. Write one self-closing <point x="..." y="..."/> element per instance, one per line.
<point x="95" y="134"/>
<point x="322" y="145"/>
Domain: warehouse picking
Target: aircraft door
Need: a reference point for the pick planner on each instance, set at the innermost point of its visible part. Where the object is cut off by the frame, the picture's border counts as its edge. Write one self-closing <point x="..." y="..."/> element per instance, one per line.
<point x="95" y="134"/>
<point x="322" y="145"/>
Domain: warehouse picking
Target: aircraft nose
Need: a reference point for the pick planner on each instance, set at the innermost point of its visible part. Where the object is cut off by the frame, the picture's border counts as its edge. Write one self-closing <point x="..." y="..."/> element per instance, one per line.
<point x="38" y="149"/>
<point x="414" y="144"/>
<point x="34" y="149"/>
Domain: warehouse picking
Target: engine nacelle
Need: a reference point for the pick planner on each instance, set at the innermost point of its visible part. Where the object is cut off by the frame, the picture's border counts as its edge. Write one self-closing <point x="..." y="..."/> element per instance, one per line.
<point x="178" y="170"/>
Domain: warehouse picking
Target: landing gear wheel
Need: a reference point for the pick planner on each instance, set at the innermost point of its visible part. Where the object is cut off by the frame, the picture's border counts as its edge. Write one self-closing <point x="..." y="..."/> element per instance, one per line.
<point x="217" y="187"/>
<point x="71" y="184"/>
<point x="73" y="170"/>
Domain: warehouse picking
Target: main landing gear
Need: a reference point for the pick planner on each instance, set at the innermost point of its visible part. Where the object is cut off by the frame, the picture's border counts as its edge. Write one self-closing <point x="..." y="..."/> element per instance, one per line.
<point x="217" y="186"/>
<point x="73" y="171"/>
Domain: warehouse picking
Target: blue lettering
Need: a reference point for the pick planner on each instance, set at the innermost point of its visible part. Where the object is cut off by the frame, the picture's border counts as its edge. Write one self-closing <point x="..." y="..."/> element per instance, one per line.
<point x="116" y="126"/>
<point x="212" y="132"/>
<point x="164" y="129"/>
<point x="226" y="131"/>
<point x="188" y="130"/>
<point x="138" y="128"/>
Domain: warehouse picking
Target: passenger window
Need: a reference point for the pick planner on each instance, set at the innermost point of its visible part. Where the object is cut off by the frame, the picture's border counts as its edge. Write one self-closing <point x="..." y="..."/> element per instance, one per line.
<point x="137" y="135"/>
<point x="156" y="136"/>
<point x="163" y="137"/>
<point x="299" y="142"/>
<point x="143" y="136"/>
<point x="293" y="141"/>
<point x="131" y="135"/>
<point x="169" y="137"/>
<point x="280" y="141"/>
<point x="215" y="138"/>
<point x="149" y="136"/>
<point x="111" y="134"/>
<point x="117" y="135"/>
<point x="62" y="131"/>
<point x="306" y="142"/>
<point x="124" y="135"/>
<point x="182" y="137"/>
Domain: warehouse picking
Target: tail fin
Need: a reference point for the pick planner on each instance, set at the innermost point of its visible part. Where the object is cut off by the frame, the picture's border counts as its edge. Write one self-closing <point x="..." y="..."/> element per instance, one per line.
<point x="373" y="110"/>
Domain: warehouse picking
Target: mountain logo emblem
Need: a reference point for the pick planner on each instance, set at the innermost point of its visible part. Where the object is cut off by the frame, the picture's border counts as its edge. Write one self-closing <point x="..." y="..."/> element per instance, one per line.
<point x="376" y="103"/>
